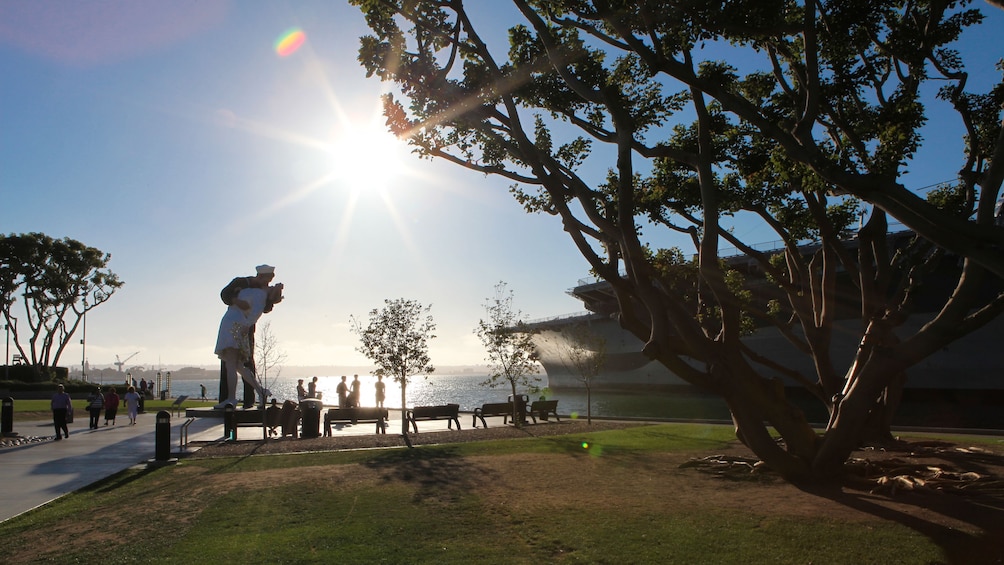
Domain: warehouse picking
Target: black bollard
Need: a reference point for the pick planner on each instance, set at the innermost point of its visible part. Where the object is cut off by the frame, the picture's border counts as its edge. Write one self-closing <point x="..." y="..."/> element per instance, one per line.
<point x="7" y="417"/>
<point x="229" y="423"/>
<point x="163" y="435"/>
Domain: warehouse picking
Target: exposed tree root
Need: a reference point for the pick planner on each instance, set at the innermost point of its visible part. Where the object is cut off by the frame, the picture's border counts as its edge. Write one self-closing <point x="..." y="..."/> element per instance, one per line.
<point x="891" y="476"/>
<point x="887" y="475"/>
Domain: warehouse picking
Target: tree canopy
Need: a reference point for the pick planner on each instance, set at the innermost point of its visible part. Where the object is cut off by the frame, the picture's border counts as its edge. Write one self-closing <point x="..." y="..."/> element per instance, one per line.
<point x="508" y="341"/>
<point x="642" y="122"/>
<point x="55" y="282"/>
<point x="396" y="339"/>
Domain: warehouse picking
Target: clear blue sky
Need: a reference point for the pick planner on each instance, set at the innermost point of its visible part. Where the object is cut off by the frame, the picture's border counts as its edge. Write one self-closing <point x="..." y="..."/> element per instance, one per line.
<point x="171" y="135"/>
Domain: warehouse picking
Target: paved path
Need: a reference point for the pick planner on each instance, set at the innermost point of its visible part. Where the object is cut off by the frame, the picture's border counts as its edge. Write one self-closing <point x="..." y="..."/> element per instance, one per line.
<point x="37" y="473"/>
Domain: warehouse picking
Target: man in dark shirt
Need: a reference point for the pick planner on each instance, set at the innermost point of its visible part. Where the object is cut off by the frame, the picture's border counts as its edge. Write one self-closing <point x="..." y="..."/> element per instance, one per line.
<point x="263" y="276"/>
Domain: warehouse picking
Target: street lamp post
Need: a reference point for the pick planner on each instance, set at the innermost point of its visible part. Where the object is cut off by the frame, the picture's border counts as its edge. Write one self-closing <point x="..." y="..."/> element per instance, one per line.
<point x="83" y="347"/>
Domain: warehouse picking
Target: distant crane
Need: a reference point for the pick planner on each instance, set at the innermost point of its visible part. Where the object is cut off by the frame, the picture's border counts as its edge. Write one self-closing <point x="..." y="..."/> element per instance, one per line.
<point x="120" y="364"/>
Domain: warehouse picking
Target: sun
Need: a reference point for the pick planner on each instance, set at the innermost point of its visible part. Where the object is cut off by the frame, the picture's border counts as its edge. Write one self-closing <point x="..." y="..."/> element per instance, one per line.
<point x="367" y="158"/>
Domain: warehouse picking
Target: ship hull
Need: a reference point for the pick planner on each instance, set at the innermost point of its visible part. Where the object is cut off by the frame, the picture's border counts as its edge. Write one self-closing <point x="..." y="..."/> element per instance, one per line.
<point x="970" y="364"/>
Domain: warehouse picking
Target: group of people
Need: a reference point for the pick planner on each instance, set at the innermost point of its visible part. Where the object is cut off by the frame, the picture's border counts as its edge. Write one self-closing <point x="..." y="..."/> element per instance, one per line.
<point x="309" y="392"/>
<point x="99" y="401"/>
<point x="348" y="393"/>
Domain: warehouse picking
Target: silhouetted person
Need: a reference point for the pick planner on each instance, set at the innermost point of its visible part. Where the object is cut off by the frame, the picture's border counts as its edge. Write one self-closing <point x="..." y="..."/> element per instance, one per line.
<point x="343" y="394"/>
<point x="381" y="391"/>
<point x="62" y="408"/>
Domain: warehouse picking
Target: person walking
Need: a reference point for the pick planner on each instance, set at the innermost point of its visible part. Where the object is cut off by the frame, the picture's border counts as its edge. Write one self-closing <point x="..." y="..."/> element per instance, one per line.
<point x="111" y="405"/>
<point x="62" y="411"/>
<point x="132" y="404"/>
<point x="95" y="404"/>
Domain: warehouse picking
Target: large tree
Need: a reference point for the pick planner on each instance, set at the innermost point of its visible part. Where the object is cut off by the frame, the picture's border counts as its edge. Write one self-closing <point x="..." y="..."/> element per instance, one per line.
<point x="396" y="339"/>
<point x="56" y="282"/>
<point x="826" y="111"/>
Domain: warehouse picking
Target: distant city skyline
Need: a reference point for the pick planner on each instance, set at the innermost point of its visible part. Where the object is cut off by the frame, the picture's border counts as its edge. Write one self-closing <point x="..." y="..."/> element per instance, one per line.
<point x="174" y="137"/>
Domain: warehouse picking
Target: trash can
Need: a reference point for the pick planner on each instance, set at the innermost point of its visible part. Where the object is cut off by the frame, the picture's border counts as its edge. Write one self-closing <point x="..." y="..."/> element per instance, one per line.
<point x="520" y="401"/>
<point x="310" y="417"/>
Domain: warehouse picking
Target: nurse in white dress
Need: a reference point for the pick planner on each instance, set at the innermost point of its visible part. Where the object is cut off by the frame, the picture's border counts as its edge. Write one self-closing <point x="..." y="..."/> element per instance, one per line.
<point x="232" y="344"/>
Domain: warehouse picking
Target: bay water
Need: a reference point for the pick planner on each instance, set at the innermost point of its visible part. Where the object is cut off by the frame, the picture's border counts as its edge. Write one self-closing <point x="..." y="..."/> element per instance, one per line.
<point x="470" y="392"/>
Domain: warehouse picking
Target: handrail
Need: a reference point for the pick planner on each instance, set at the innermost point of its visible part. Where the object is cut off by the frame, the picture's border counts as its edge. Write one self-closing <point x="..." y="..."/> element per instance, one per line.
<point x="183" y="435"/>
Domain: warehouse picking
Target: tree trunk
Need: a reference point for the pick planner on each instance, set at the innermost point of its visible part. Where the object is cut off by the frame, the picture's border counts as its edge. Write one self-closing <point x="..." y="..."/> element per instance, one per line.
<point x="753" y="433"/>
<point x="848" y="424"/>
<point x="404" y="409"/>
<point x="878" y="427"/>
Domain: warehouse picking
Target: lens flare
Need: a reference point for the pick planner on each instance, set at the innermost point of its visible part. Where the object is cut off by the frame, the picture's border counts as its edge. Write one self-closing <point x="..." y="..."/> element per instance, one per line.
<point x="289" y="42"/>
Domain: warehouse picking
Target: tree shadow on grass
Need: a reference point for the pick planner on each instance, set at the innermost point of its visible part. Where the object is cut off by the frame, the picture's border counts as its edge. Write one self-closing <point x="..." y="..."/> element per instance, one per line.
<point x="977" y="512"/>
<point x="436" y="472"/>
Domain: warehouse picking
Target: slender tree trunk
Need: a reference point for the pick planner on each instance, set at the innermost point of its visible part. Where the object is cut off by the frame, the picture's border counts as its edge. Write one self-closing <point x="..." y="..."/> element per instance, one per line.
<point x="589" y="405"/>
<point x="404" y="409"/>
<point x="516" y="420"/>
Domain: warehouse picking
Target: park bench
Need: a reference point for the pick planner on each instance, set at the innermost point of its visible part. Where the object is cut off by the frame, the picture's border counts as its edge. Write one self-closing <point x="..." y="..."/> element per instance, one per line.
<point x="503" y="409"/>
<point x="176" y="405"/>
<point x="354" y="416"/>
<point x="449" y="412"/>
<point x="543" y="408"/>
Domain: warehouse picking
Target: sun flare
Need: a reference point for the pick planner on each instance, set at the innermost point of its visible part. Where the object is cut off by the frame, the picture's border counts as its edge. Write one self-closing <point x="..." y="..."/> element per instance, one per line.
<point x="368" y="158"/>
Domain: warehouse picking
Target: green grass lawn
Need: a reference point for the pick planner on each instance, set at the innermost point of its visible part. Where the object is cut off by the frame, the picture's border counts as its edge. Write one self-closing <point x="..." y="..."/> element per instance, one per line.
<point x="27" y="410"/>
<point x="600" y="497"/>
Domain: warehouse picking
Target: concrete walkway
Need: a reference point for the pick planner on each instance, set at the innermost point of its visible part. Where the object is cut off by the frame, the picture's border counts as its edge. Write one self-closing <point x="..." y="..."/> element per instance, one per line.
<point x="37" y="473"/>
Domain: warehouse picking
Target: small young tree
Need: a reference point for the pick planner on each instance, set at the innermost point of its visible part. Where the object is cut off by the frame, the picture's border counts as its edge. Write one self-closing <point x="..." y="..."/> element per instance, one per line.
<point x="268" y="359"/>
<point x="586" y="352"/>
<point x="268" y="356"/>
<point x="512" y="356"/>
<point x="396" y="340"/>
